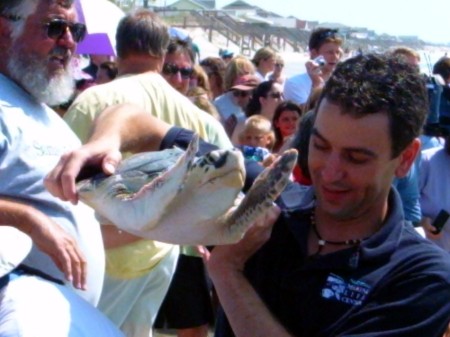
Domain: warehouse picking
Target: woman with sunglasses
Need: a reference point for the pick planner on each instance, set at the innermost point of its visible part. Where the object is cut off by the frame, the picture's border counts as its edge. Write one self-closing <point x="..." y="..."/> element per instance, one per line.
<point x="178" y="65"/>
<point x="264" y="100"/>
<point x="229" y="107"/>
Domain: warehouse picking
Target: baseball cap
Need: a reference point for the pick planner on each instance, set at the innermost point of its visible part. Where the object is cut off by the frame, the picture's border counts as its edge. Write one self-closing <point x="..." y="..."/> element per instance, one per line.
<point x="14" y="248"/>
<point x="226" y="53"/>
<point x="246" y="82"/>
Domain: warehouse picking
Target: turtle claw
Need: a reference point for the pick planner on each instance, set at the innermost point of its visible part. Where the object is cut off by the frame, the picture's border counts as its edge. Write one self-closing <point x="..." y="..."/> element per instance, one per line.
<point x="261" y="196"/>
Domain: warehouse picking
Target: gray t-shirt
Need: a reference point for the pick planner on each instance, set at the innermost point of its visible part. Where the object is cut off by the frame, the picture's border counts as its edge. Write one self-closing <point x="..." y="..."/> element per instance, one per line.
<point x="32" y="139"/>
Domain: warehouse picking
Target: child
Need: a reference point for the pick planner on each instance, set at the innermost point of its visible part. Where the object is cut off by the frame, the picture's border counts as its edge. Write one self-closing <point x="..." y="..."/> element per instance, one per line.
<point x="257" y="138"/>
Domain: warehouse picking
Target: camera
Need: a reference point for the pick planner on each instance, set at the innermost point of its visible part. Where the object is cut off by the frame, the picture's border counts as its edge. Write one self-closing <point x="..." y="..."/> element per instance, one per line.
<point x="320" y="60"/>
<point x="440" y="221"/>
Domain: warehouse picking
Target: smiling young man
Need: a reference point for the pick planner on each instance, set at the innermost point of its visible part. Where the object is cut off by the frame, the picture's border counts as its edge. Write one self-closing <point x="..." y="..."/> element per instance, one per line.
<point x="325" y="43"/>
<point x="341" y="259"/>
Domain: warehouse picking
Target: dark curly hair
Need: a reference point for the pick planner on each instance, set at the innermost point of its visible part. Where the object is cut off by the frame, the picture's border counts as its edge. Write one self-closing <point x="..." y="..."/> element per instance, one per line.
<point x="378" y="83"/>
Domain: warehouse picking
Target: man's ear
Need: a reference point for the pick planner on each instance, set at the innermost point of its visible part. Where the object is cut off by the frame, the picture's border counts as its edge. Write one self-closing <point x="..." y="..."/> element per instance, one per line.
<point x="407" y="158"/>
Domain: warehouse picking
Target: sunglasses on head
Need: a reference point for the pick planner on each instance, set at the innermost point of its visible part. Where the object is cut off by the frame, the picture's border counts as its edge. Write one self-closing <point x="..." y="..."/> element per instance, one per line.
<point x="172" y="69"/>
<point x="276" y="95"/>
<point x="56" y="29"/>
<point x="332" y="33"/>
<point x="242" y="93"/>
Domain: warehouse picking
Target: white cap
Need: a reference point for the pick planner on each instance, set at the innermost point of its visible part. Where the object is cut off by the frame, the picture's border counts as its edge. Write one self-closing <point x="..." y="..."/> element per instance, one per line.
<point x="14" y="248"/>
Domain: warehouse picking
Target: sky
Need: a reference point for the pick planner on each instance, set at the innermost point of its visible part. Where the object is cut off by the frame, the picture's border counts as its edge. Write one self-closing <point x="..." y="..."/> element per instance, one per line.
<point x="427" y="19"/>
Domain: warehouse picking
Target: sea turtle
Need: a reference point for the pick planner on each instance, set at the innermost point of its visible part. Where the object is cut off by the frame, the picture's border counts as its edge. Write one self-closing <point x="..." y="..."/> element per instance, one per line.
<point x="173" y="196"/>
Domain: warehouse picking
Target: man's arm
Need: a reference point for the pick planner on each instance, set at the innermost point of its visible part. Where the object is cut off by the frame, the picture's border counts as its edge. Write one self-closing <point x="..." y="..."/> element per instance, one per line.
<point x="120" y="128"/>
<point x="48" y="236"/>
<point x="246" y="312"/>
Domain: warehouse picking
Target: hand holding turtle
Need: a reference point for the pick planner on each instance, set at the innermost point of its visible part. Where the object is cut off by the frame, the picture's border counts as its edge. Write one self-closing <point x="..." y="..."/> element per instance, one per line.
<point x="230" y="258"/>
<point x="96" y="156"/>
<point x="123" y="127"/>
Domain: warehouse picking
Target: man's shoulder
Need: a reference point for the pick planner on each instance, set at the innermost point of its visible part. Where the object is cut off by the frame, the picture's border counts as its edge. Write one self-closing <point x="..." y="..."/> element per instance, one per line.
<point x="223" y="100"/>
<point x="297" y="88"/>
<point x="434" y="151"/>
<point x="297" y="78"/>
<point x="125" y="83"/>
<point x="420" y="255"/>
<point x="120" y="90"/>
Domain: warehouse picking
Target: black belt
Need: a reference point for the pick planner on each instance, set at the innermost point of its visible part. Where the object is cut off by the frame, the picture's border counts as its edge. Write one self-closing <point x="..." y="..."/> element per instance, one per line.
<point x="25" y="270"/>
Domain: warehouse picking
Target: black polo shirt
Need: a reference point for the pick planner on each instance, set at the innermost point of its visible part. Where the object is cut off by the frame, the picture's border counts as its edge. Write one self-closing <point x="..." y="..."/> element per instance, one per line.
<point x="395" y="284"/>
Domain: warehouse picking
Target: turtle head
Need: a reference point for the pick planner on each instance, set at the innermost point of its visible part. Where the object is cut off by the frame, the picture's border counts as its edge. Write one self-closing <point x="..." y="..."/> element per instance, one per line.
<point x="218" y="168"/>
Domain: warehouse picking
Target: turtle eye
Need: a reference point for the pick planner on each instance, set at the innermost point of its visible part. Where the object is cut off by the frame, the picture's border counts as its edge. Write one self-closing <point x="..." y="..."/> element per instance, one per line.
<point x="217" y="159"/>
<point x="121" y="191"/>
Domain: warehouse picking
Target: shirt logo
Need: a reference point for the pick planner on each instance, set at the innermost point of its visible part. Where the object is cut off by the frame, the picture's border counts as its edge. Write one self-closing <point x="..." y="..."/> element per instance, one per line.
<point x="352" y="292"/>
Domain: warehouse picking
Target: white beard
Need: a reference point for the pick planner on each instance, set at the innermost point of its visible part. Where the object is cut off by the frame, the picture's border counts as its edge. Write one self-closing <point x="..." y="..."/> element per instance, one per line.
<point x="31" y="73"/>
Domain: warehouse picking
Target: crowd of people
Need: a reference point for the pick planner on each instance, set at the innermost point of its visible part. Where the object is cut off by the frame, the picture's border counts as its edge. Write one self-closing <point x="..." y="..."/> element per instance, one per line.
<point x="357" y="244"/>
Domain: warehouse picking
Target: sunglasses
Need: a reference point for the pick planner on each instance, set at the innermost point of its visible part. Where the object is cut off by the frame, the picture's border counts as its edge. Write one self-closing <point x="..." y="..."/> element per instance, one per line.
<point x="172" y="69"/>
<point x="56" y="29"/>
<point x="276" y="95"/>
<point x="281" y="65"/>
<point x="237" y="93"/>
<point x="332" y="33"/>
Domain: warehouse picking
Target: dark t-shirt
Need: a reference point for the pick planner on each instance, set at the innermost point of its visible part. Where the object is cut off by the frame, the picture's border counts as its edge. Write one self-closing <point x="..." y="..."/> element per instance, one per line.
<point x="394" y="284"/>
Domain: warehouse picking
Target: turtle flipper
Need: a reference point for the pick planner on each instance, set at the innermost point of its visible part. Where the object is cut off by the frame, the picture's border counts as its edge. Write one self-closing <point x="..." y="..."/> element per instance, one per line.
<point x="141" y="213"/>
<point x="138" y="211"/>
<point x="260" y="197"/>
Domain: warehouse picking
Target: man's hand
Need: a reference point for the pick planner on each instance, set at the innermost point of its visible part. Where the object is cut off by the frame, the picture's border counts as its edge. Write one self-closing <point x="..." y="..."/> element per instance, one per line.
<point x="429" y="229"/>
<point x="314" y="71"/>
<point x="61" y="181"/>
<point x="50" y="238"/>
<point x="233" y="257"/>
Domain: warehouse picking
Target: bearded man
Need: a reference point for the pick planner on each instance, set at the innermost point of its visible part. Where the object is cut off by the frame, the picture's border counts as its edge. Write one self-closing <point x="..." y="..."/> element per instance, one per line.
<point x="55" y="290"/>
